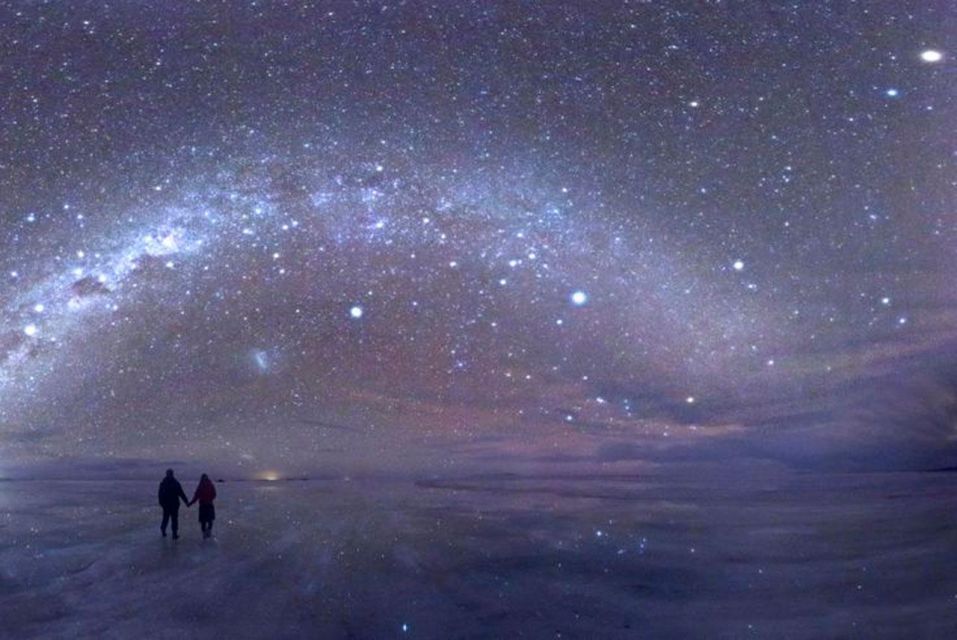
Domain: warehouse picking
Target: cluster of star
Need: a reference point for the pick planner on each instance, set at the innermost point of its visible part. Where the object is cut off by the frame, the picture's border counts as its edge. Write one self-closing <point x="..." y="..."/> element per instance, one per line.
<point x="590" y="218"/>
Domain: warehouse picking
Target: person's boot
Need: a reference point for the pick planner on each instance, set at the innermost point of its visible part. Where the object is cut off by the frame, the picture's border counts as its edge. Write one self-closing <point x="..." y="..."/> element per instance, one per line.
<point x="175" y="536"/>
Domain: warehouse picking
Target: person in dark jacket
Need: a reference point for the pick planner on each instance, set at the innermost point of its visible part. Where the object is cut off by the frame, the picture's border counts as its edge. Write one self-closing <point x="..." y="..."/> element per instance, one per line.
<point x="170" y="493"/>
<point x="205" y="494"/>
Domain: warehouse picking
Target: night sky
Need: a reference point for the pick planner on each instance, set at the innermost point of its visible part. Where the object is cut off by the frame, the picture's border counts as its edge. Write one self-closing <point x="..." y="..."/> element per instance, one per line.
<point x="287" y="237"/>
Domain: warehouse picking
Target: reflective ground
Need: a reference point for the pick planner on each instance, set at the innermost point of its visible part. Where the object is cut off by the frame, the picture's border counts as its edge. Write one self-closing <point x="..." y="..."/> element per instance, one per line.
<point x="584" y="556"/>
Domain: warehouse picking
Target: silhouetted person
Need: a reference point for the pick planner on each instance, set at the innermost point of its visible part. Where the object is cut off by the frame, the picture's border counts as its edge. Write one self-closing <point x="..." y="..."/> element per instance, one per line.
<point x="170" y="493"/>
<point x="205" y="494"/>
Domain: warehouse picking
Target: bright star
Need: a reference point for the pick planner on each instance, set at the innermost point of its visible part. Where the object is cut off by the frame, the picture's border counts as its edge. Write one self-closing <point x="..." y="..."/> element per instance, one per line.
<point x="931" y="55"/>
<point x="738" y="265"/>
<point x="355" y="312"/>
<point x="579" y="298"/>
<point x="892" y="93"/>
<point x="30" y="330"/>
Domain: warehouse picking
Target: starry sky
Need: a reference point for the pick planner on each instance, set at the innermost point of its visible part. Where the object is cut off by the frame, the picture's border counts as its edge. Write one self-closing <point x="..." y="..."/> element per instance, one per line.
<point x="288" y="237"/>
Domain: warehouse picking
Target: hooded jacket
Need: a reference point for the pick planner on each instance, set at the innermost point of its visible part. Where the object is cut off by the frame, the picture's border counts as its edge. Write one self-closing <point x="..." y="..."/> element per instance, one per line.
<point x="205" y="492"/>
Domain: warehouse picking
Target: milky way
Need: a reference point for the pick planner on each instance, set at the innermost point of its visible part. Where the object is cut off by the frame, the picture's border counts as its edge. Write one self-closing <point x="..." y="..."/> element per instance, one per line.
<point x="392" y="235"/>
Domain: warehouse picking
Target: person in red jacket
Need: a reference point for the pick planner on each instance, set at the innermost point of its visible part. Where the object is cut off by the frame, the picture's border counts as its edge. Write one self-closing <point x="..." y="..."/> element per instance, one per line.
<point x="204" y="495"/>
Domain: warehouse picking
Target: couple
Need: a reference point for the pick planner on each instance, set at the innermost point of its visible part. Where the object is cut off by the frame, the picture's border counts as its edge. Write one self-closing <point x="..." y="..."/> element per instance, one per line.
<point x="170" y="493"/>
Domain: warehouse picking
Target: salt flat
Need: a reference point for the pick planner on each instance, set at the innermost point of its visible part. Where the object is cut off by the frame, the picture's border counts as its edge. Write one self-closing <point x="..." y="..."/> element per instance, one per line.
<point x="503" y="556"/>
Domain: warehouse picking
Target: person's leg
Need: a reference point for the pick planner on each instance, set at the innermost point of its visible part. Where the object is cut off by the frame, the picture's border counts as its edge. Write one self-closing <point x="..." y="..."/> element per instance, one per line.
<point x="209" y="529"/>
<point x="165" y="521"/>
<point x="174" y="517"/>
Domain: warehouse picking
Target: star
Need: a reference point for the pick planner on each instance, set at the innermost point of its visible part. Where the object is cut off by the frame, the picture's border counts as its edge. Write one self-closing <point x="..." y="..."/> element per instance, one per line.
<point x="931" y="55"/>
<point x="579" y="298"/>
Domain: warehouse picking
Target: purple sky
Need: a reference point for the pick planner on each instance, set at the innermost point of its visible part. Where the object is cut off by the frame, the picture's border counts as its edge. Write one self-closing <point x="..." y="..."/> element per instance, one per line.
<point x="417" y="237"/>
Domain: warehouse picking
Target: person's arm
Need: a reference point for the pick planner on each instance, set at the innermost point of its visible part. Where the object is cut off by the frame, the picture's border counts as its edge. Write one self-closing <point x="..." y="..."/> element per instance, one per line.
<point x="183" y="496"/>
<point x="159" y="495"/>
